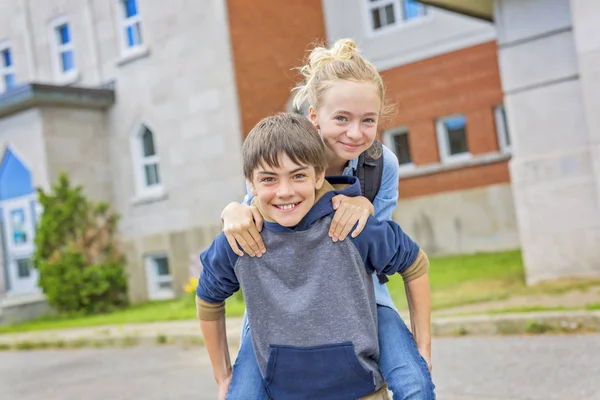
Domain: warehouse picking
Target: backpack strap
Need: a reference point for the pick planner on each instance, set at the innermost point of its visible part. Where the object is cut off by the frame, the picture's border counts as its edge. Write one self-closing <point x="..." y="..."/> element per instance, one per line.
<point x="369" y="172"/>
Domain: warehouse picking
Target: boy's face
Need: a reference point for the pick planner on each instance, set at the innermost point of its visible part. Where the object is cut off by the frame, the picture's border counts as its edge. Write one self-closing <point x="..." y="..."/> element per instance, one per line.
<point x="287" y="193"/>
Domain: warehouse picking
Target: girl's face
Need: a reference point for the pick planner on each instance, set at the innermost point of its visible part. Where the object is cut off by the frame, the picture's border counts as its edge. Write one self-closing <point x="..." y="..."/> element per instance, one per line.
<point x="348" y="117"/>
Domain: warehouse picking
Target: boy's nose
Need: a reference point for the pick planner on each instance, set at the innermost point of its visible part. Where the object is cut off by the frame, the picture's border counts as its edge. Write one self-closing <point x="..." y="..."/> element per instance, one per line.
<point x="285" y="190"/>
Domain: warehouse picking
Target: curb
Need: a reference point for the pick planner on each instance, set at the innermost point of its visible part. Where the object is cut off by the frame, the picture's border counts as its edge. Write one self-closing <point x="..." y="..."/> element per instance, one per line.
<point x="518" y="323"/>
<point x="187" y="333"/>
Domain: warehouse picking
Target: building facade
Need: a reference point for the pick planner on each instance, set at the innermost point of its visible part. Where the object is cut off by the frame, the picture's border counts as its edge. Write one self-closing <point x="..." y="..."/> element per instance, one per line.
<point x="147" y="106"/>
<point x="549" y="57"/>
<point x="449" y="132"/>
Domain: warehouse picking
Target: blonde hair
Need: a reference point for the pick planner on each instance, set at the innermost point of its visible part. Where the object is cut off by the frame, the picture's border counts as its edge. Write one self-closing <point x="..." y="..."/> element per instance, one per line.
<point x="341" y="62"/>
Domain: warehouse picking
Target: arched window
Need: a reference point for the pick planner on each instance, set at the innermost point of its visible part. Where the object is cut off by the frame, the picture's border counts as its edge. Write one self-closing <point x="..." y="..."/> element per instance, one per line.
<point x="146" y="162"/>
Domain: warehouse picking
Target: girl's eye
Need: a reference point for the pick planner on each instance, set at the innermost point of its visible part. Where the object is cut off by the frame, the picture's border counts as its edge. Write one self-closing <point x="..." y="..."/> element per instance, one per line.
<point x="341" y="118"/>
<point x="369" y="120"/>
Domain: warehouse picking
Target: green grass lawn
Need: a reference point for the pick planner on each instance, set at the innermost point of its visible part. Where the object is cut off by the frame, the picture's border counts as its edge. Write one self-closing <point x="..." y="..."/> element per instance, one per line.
<point x="454" y="280"/>
<point x="468" y="279"/>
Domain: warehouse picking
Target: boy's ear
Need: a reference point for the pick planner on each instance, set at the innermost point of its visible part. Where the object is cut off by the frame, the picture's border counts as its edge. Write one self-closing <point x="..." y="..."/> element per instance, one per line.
<point x="320" y="179"/>
<point x="313" y="117"/>
<point x="252" y="188"/>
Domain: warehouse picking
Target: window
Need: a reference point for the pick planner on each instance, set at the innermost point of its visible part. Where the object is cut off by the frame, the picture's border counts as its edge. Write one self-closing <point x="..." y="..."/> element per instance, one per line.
<point x="504" y="144"/>
<point x="397" y="141"/>
<point x="147" y="163"/>
<point x="64" y="58"/>
<point x="23" y="267"/>
<point x="149" y="159"/>
<point x="7" y="71"/>
<point x="384" y="13"/>
<point x="452" y="138"/>
<point x="412" y="9"/>
<point x="130" y="25"/>
<point x="159" y="278"/>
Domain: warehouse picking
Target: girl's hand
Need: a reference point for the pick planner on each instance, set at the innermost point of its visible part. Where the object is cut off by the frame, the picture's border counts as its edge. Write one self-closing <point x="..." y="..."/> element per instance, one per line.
<point x="425" y="352"/>
<point x="242" y="225"/>
<point x="349" y="211"/>
<point x="223" y="388"/>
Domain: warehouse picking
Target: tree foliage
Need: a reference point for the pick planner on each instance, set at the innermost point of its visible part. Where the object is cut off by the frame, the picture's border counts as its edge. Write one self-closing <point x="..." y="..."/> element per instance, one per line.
<point x="78" y="254"/>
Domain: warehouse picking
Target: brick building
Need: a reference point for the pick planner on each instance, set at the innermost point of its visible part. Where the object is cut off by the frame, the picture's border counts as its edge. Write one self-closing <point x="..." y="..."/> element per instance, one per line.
<point x="146" y="106"/>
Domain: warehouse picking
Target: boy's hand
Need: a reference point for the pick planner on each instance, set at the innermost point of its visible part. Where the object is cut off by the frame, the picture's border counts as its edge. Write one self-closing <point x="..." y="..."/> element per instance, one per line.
<point x="242" y="225"/>
<point x="349" y="211"/>
<point x="223" y="388"/>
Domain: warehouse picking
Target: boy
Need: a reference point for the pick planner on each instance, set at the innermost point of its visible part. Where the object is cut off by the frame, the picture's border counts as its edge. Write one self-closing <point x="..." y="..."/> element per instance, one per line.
<point x="313" y="338"/>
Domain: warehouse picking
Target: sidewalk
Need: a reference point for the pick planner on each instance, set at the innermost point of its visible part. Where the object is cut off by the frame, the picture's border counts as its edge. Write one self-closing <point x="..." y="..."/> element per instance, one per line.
<point x="187" y="332"/>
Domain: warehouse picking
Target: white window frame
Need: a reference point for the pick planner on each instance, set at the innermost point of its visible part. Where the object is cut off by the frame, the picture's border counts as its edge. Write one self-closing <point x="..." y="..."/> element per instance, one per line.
<point x="381" y="4"/>
<point x="153" y="280"/>
<point x="139" y="163"/>
<point x="444" y="144"/>
<point x="502" y="131"/>
<point x="399" y="18"/>
<point x="388" y="140"/>
<point x="123" y="23"/>
<point x="63" y="77"/>
<point x="6" y="70"/>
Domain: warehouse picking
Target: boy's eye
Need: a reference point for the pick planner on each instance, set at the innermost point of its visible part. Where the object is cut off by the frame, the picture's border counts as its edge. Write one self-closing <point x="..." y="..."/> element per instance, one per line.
<point x="299" y="176"/>
<point x="267" y="179"/>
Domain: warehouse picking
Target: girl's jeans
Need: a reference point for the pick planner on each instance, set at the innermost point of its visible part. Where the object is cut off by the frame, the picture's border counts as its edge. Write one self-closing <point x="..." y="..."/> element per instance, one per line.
<point x="403" y="368"/>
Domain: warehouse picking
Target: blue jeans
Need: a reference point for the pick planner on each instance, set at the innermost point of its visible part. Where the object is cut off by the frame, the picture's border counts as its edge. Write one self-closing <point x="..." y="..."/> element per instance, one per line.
<point x="403" y="368"/>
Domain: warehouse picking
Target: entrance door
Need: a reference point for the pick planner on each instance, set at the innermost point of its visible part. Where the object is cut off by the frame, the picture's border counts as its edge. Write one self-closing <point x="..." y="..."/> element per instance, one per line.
<point x="18" y="233"/>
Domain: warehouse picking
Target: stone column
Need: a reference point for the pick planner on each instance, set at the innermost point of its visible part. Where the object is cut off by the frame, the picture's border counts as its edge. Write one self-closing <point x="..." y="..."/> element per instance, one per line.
<point x="550" y="68"/>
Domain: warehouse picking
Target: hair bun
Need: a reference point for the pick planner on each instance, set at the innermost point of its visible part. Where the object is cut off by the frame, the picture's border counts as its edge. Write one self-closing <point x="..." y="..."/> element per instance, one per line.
<point x="321" y="66"/>
<point x="344" y="49"/>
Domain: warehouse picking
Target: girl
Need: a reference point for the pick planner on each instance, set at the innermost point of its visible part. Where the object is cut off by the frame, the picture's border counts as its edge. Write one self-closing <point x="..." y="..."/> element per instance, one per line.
<point x="346" y="98"/>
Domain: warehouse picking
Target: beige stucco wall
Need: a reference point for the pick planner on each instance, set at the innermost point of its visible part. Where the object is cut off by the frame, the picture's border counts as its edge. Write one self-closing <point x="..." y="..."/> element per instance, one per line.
<point x="549" y="74"/>
<point x="77" y="143"/>
<point x="181" y="247"/>
<point x="23" y="132"/>
<point x="458" y="222"/>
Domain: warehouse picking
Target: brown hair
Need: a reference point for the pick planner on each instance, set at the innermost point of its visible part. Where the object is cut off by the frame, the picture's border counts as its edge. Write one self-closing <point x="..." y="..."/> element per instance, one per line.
<point x="341" y="62"/>
<point x="285" y="133"/>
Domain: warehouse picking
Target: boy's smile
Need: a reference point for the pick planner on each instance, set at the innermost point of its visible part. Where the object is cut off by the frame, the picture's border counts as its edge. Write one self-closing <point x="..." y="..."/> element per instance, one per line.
<point x="286" y="193"/>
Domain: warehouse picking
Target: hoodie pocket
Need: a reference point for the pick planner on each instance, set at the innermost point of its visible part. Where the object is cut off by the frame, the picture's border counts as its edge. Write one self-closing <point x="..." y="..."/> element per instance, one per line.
<point x="317" y="372"/>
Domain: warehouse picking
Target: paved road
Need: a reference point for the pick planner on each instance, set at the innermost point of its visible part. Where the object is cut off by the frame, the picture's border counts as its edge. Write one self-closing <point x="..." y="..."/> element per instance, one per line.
<point x="509" y="368"/>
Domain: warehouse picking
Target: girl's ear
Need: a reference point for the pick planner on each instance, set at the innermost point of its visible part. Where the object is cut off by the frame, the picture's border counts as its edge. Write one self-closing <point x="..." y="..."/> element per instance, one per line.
<point x="313" y="117"/>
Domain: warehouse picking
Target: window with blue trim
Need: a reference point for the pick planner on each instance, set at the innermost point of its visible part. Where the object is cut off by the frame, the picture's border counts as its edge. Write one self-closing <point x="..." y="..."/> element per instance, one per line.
<point x="7" y="71"/>
<point x="385" y="13"/>
<point x="131" y="24"/>
<point x="412" y="9"/>
<point x="64" y="49"/>
<point x="452" y="137"/>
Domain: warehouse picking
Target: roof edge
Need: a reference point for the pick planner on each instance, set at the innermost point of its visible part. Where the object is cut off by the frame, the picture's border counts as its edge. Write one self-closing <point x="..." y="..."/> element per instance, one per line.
<point x="480" y="9"/>
<point x="32" y="95"/>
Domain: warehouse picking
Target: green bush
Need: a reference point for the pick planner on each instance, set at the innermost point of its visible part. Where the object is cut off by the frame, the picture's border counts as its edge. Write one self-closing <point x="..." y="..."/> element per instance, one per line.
<point x="81" y="266"/>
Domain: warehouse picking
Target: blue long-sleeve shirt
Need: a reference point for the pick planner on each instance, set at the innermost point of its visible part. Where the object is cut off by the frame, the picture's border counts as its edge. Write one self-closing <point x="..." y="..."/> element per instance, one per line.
<point x="312" y="313"/>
